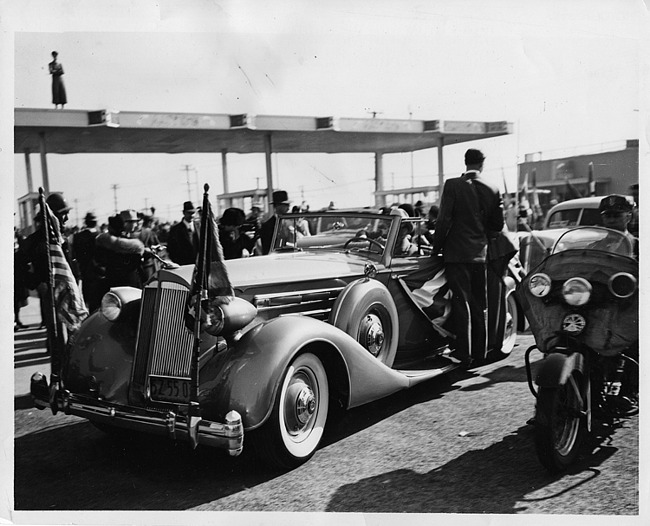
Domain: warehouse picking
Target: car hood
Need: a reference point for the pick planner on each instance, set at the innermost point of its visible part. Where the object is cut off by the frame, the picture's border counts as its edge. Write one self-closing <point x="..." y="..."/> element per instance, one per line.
<point x="294" y="266"/>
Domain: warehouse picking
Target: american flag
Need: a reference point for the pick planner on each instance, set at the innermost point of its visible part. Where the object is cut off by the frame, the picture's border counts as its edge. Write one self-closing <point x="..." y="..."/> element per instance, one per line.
<point x="210" y="275"/>
<point x="68" y="300"/>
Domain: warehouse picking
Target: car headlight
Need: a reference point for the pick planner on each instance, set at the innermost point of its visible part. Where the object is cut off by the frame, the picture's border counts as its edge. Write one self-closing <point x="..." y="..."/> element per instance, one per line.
<point x="111" y="306"/>
<point x="539" y="285"/>
<point x="576" y="291"/>
<point x="214" y="319"/>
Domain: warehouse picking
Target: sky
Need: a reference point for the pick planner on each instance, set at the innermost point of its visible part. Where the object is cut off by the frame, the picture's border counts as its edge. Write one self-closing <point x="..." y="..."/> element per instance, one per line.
<point x="572" y="77"/>
<point x="567" y="77"/>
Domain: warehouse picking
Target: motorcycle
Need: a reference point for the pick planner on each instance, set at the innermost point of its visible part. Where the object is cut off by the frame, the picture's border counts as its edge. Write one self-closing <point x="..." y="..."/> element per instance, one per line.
<point x="582" y="304"/>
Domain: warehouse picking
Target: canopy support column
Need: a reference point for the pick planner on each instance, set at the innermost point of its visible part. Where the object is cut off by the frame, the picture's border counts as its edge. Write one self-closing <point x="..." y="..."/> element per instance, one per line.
<point x="441" y="167"/>
<point x="46" y="180"/>
<point x="224" y="170"/>
<point x="269" y="170"/>
<point x="28" y="171"/>
<point x="380" y="199"/>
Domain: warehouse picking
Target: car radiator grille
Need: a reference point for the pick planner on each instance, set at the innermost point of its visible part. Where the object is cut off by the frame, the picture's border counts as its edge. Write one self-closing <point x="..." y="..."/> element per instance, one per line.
<point x="164" y="345"/>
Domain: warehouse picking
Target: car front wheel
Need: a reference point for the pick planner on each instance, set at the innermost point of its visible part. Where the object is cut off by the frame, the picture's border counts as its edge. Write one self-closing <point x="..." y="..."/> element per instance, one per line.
<point x="291" y="435"/>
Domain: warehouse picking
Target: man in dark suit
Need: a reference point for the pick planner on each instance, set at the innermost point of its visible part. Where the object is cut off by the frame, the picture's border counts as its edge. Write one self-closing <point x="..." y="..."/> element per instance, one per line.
<point x="471" y="211"/>
<point x="280" y="206"/>
<point x="183" y="241"/>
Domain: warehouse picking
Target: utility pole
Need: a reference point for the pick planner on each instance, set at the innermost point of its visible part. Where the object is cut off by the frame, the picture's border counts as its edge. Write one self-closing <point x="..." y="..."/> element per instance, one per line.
<point x="76" y="209"/>
<point x="187" y="175"/>
<point x="115" y="187"/>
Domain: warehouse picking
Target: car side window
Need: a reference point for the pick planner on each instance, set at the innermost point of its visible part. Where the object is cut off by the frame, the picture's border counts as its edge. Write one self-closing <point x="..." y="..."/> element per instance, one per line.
<point x="564" y="218"/>
<point x="591" y="217"/>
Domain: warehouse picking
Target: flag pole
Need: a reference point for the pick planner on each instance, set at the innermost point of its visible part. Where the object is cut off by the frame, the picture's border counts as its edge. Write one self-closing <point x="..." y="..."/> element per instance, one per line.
<point x="51" y="328"/>
<point x="194" y="410"/>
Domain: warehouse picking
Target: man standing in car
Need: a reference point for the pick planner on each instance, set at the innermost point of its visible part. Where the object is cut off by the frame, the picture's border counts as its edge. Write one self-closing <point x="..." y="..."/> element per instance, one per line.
<point x="471" y="211"/>
<point x="183" y="242"/>
<point x="281" y="205"/>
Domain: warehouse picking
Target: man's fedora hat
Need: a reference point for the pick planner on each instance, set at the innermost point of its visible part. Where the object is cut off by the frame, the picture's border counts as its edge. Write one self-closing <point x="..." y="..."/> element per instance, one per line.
<point x="129" y="215"/>
<point x="188" y="207"/>
<point x="474" y="157"/>
<point x="280" y="197"/>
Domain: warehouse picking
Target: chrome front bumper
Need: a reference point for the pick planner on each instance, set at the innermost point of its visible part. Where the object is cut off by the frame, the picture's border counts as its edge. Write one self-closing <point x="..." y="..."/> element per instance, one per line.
<point x="228" y="435"/>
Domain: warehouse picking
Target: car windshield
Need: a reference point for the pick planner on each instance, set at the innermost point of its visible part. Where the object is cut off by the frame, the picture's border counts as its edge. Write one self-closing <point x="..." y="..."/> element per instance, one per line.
<point x="331" y="231"/>
<point x="594" y="238"/>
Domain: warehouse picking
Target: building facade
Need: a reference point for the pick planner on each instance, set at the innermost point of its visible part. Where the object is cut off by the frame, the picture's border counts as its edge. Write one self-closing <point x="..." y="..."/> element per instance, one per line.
<point x="565" y="178"/>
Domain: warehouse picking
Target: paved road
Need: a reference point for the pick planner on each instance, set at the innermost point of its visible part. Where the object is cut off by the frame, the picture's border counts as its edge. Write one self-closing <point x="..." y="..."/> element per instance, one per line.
<point x="458" y="444"/>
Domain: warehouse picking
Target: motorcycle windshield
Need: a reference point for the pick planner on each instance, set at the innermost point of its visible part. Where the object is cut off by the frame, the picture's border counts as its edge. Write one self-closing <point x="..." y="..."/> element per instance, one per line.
<point x="595" y="238"/>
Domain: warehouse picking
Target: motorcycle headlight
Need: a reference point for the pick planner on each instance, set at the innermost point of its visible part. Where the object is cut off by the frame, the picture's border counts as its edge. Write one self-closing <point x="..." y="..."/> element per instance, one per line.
<point x="622" y="284"/>
<point x="111" y="306"/>
<point x="576" y="291"/>
<point x="539" y="285"/>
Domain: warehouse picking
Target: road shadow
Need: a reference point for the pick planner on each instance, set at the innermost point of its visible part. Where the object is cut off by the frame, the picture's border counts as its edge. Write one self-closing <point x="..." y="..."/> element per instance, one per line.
<point x="78" y="467"/>
<point x="477" y="482"/>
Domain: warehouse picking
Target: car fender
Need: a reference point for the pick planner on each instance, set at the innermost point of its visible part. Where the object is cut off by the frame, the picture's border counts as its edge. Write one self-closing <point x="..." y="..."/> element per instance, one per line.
<point x="255" y="365"/>
<point x="103" y="350"/>
<point x="556" y="368"/>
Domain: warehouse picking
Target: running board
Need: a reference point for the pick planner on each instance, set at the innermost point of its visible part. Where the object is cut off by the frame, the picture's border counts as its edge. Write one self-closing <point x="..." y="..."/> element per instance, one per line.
<point x="417" y="376"/>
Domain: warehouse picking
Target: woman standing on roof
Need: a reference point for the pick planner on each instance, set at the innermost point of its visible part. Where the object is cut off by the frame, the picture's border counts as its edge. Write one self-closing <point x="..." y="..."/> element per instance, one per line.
<point x="58" y="88"/>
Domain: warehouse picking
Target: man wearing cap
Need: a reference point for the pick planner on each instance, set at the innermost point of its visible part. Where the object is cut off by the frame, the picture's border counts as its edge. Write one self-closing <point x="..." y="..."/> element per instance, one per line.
<point x="34" y="252"/>
<point x="120" y="256"/>
<point x="616" y="213"/>
<point x="183" y="241"/>
<point x="280" y="206"/>
<point x="471" y="211"/>
<point x="83" y="252"/>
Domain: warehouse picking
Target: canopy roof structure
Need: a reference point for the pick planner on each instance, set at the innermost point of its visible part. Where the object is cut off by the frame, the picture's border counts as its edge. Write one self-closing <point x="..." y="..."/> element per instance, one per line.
<point x="110" y="131"/>
<point x="105" y="131"/>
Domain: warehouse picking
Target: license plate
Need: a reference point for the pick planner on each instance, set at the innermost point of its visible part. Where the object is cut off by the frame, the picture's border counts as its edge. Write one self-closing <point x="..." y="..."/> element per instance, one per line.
<point x="169" y="389"/>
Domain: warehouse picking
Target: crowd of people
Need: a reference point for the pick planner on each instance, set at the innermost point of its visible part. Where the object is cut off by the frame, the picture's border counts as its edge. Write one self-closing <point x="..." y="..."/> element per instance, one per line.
<point x="122" y="251"/>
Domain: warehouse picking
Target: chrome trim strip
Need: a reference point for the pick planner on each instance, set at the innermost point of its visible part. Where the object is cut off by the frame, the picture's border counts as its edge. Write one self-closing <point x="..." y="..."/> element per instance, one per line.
<point x="306" y="313"/>
<point x="300" y="295"/>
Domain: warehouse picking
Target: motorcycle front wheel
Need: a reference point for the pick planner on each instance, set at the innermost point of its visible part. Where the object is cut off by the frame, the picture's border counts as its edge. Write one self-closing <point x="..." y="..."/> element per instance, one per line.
<point x="559" y="424"/>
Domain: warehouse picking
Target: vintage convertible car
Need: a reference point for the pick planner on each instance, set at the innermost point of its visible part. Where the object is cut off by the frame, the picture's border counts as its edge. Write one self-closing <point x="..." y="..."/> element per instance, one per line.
<point x="324" y="323"/>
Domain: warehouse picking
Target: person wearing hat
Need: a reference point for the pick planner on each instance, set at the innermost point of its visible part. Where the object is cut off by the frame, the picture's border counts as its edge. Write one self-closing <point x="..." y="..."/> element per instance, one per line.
<point x="633" y="225"/>
<point x="149" y="238"/>
<point x="616" y="213"/>
<point x="235" y="245"/>
<point x="471" y="211"/>
<point x="252" y="227"/>
<point x="83" y="252"/>
<point x="131" y="222"/>
<point x="119" y="256"/>
<point x="34" y="252"/>
<point x="281" y="205"/>
<point x="183" y="241"/>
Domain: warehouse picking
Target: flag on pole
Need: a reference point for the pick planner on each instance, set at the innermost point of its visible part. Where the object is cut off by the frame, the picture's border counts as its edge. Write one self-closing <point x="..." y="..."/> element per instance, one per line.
<point x="68" y="301"/>
<point x="210" y="279"/>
